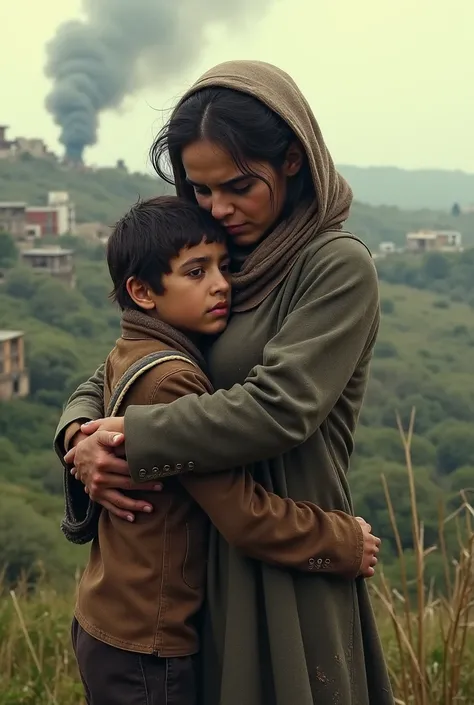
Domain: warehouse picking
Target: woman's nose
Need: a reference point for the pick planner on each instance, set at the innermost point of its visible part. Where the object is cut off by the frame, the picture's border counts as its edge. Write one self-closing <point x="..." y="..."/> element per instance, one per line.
<point x="221" y="208"/>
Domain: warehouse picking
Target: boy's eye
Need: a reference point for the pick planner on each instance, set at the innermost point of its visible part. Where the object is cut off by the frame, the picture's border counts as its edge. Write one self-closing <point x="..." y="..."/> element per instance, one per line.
<point x="196" y="273"/>
<point x="225" y="267"/>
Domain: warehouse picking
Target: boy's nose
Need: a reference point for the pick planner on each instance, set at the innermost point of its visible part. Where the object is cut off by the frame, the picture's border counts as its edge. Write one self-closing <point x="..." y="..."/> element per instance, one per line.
<point x="221" y="284"/>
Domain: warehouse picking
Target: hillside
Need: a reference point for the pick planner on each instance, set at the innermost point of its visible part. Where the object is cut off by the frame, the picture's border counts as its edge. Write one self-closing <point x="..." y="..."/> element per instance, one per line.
<point x="432" y="189"/>
<point x="104" y="194"/>
<point x="100" y="195"/>
<point x="423" y="358"/>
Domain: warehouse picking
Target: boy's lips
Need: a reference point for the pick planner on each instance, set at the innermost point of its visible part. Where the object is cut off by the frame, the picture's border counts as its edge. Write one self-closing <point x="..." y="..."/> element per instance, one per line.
<point x="220" y="309"/>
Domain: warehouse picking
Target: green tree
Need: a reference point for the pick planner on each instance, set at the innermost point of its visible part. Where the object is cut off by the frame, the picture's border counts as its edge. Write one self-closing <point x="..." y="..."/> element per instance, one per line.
<point x="386" y="443"/>
<point x="29" y="542"/>
<point x="463" y="479"/>
<point x="435" y="266"/>
<point x="27" y="425"/>
<point x="385" y="349"/>
<point x="22" y="282"/>
<point x="8" y="251"/>
<point x="387" y="306"/>
<point x="45" y="468"/>
<point x="10" y="461"/>
<point x="51" y="362"/>
<point x="370" y="502"/>
<point x="456" y="210"/>
<point x="455" y="448"/>
<point x="54" y="302"/>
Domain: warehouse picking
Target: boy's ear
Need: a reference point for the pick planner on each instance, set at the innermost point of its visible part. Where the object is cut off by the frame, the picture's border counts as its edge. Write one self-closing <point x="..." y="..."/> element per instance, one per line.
<point x="139" y="292"/>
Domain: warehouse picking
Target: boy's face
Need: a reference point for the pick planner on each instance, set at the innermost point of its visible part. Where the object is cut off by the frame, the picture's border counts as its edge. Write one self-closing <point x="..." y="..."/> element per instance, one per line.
<point x="196" y="296"/>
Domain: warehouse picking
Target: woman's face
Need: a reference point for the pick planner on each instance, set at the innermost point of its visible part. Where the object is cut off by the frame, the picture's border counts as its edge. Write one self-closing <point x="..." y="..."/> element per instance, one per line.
<point x="243" y="204"/>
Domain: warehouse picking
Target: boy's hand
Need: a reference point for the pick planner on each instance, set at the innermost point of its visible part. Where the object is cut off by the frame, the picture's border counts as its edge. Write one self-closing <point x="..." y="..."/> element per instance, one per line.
<point x="371" y="550"/>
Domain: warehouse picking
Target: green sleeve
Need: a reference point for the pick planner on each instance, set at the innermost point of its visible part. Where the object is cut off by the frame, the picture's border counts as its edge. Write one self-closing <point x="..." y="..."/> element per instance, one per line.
<point x="305" y="368"/>
<point x="85" y="404"/>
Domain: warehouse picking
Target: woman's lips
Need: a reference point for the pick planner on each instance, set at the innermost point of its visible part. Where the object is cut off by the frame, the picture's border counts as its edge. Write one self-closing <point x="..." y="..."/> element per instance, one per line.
<point x="235" y="229"/>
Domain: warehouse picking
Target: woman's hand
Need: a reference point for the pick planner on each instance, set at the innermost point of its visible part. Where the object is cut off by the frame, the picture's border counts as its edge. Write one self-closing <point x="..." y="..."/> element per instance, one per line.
<point x="97" y="465"/>
<point x="371" y="550"/>
<point x="109" y="423"/>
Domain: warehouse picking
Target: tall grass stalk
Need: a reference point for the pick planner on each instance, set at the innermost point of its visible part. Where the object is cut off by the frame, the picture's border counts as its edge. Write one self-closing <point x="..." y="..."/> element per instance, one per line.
<point x="432" y="654"/>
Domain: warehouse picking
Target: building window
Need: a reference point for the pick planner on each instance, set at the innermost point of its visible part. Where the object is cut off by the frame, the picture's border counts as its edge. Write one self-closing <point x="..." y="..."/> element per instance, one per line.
<point x="15" y="354"/>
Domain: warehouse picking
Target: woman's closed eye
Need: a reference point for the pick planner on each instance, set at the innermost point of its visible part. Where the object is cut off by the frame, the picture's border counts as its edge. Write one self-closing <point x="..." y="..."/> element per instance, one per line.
<point x="202" y="190"/>
<point x="241" y="189"/>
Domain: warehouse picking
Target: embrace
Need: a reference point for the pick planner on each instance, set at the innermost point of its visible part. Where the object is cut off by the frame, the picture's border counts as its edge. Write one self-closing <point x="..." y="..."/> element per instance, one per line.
<point x="226" y="564"/>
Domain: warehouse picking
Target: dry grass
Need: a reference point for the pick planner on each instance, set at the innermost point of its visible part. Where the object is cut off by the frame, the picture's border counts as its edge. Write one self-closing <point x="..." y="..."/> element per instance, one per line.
<point x="37" y="666"/>
<point x="428" y="633"/>
<point x="431" y="649"/>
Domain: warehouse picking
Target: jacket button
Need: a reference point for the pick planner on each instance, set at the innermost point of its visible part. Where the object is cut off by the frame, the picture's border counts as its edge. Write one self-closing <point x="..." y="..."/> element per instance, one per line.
<point x="155" y="469"/>
<point x="191" y="465"/>
<point x="178" y="466"/>
<point x="166" y="468"/>
<point x="142" y="473"/>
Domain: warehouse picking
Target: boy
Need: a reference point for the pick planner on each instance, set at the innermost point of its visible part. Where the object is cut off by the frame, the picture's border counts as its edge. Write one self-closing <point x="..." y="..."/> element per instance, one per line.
<point x="134" y="630"/>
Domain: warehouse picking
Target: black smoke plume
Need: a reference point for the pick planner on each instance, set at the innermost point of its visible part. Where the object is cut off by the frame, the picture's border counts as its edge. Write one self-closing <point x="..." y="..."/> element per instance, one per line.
<point x="122" y="46"/>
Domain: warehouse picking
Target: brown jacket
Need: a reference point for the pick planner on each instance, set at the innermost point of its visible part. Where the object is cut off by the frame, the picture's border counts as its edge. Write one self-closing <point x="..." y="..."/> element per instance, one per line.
<point x="145" y="581"/>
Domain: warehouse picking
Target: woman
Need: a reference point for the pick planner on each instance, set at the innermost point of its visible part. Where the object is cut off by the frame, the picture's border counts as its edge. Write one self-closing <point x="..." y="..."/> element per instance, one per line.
<point x="291" y="371"/>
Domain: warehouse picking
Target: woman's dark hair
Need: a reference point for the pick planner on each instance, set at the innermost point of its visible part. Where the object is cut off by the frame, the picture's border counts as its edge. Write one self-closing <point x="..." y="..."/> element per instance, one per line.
<point x="239" y="123"/>
<point x="149" y="236"/>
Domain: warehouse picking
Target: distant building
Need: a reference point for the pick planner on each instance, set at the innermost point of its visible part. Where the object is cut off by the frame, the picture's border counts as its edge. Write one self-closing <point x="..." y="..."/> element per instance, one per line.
<point x="7" y="147"/>
<point x="13" y="218"/>
<point x="387" y="248"/>
<point x="54" y="261"/>
<point x="35" y="147"/>
<point x="33" y="232"/>
<point x="14" y="380"/>
<point x="57" y="218"/>
<point x="93" y="231"/>
<point x="434" y="241"/>
<point x="14" y="149"/>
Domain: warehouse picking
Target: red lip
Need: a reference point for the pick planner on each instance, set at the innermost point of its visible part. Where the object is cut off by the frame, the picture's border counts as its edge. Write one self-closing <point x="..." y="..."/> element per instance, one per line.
<point x="235" y="228"/>
<point x="220" y="309"/>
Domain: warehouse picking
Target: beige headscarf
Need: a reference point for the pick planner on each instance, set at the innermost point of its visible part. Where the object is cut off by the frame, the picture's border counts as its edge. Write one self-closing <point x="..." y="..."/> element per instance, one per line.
<point x="273" y="258"/>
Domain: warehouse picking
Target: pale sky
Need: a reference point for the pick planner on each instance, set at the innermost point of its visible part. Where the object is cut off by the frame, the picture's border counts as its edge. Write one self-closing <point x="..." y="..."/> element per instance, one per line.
<point x="391" y="82"/>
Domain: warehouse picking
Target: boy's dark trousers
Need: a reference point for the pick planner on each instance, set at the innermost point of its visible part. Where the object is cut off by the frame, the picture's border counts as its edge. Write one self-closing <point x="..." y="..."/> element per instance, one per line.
<point x="114" y="677"/>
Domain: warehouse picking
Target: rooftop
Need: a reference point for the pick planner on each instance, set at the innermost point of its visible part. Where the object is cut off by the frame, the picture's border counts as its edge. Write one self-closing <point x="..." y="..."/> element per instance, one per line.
<point x="42" y="209"/>
<point x="422" y="235"/>
<point x="431" y="234"/>
<point x="10" y="335"/>
<point x="47" y="252"/>
<point x="12" y="204"/>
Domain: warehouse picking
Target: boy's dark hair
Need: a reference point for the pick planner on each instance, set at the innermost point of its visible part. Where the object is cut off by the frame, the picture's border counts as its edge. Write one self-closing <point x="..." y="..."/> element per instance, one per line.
<point x="149" y="236"/>
<point x="240" y="124"/>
